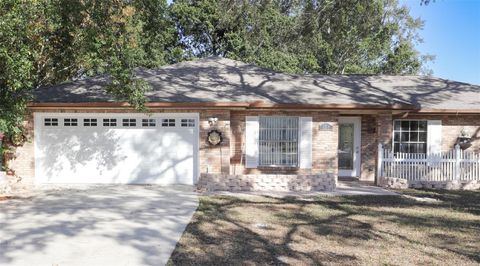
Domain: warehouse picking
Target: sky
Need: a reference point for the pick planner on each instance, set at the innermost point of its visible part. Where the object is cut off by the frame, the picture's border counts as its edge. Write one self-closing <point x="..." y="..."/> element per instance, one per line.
<point x="452" y="34"/>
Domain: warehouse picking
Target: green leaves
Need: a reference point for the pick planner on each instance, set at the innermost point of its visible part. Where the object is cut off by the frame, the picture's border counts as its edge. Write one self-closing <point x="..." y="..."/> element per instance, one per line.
<point x="16" y="63"/>
<point x="51" y="41"/>
<point x="307" y="36"/>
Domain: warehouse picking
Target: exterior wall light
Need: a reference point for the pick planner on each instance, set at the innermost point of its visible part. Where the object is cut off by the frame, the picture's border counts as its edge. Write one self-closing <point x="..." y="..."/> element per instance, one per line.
<point x="212" y="121"/>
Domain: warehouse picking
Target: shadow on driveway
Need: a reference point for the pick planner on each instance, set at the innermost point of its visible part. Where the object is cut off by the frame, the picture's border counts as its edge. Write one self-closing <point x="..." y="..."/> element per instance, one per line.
<point x="96" y="225"/>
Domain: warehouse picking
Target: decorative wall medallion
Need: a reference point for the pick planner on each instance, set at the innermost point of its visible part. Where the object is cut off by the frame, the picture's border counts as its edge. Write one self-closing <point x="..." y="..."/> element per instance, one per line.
<point x="214" y="137"/>
<point x="325" y="127"/>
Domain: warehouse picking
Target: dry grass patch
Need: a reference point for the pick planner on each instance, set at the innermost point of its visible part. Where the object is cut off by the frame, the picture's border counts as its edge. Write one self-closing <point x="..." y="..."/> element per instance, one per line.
<point x="355" y="230"/>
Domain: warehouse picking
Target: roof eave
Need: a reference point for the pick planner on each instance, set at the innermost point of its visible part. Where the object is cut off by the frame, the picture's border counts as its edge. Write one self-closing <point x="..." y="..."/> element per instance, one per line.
<point x="259" y="105"/>
<point x="446" y="111"/>
<point x="244" y="105"/>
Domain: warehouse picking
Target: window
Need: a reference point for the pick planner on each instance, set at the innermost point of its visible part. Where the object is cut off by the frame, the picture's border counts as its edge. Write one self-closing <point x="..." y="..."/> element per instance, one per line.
<point x="168" y="122"/>
<point x="278" y="141"/>
<point x="129" y="122"/>
<point x="410" y="136"/>
<point x="50" y="122"/>
<point x="89" y="122"/>
<point x="70" y="122"/>
<point x="109" y="122"/>
<point x="187" y="122"/>
<point x="148" y="122"/>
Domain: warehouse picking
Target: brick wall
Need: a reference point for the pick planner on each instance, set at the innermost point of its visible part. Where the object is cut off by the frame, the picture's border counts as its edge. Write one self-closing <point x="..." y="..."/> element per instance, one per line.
<point x="324" y="150"/>
<point x="23" y="159"/>
<point x="226" y="158"/>
<point x="212" y="159"/>
<point x="215" y="159"/>
<point x="384" y="128"/>
<point x="368" y="147"/>
<point x="268" y="182"/>
<point x="375" y="127"/>
<point x="384" y="134"/>
<point x="452" y="126"/>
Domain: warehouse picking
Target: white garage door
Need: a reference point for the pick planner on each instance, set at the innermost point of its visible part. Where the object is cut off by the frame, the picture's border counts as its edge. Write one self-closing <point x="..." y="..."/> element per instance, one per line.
<point x="116" y="148"/>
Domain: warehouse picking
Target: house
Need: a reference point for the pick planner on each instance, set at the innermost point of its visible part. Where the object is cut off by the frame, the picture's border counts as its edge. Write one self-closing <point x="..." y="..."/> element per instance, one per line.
<point x="227" y="125"/>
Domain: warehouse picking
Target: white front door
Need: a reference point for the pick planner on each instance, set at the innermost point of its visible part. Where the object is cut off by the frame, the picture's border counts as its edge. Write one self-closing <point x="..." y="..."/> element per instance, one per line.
<point x="349" y="134"/>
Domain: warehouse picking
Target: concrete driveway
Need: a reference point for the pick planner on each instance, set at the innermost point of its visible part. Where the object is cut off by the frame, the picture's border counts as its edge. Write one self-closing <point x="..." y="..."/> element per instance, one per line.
<point x="99" y="225"/>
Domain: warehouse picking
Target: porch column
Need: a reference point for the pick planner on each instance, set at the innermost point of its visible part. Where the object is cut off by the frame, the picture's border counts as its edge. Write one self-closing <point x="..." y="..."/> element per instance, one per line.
<point x="384" y="134"/>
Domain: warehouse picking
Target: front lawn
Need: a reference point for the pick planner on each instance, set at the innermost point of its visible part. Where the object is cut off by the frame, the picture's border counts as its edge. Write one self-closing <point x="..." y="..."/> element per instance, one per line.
<point x="366" y="230"/>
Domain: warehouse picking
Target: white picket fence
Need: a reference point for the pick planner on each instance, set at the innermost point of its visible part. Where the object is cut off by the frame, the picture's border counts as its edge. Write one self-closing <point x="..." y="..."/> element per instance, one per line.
<point x="445" y="166"/>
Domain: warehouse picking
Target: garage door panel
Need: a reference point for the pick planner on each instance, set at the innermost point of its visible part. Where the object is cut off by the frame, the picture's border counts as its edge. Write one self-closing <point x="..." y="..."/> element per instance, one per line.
<point x="68" y="155"/>
<point x="166" y="154"/>
<point x="116" y="155"/>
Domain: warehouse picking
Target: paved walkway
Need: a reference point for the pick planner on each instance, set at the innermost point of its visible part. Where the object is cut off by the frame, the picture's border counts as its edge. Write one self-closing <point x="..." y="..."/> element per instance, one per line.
<point x="100" y="225"/>
<point x="344" y="188"/>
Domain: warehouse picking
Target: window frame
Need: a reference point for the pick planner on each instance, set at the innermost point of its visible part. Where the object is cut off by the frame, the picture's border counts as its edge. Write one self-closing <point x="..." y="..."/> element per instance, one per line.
<point x="187" y="122"/>
<point x="92" y="122"/>
<point x="52" y="122"/>
<point x="72" y="122"/>
<point x="149" y="122"/>
<point x="129" y="122"/>
<point x="109" y="122"/>
<point x="400" y="142"/>
<point x="167" y="122"/>
<point x="277" y="161"/>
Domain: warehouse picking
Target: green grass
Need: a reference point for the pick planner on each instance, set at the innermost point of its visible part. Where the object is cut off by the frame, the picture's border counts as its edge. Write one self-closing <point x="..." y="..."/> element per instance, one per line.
<point x="354" y="230"/>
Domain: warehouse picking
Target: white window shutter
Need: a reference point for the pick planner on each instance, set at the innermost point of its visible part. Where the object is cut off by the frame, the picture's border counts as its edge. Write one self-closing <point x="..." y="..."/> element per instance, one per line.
<point x="434" y="136"/>
<point x="252" y="129"/>
<point x="305" y="142"/>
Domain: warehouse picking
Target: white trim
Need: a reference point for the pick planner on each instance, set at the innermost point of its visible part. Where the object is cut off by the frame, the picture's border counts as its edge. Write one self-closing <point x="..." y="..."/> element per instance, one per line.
<point x="37" y="124"/>
<point x="118" y="116"/>
<point x="434" y="136"/>
<point x="305" y="142"/>
<point x="357" y="143"/>
<point x="294" y="131"/>
<point x="252" y="131"/>
<point x="405" y="119"/>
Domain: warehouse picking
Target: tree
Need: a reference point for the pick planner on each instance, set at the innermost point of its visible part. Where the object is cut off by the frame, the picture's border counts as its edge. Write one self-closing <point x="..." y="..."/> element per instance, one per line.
<point x="304" y="36"/>
<point x="17" y="61"/>
<point x="51" y="41"/>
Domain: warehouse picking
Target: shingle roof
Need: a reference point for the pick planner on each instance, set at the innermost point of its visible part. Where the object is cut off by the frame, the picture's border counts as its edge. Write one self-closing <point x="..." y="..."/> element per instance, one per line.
<point x="224" y="80"/>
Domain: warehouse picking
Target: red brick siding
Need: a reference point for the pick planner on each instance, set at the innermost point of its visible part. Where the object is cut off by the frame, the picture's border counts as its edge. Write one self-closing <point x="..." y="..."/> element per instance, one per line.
<point x="384" y="128"/>
<point x="269" y="182"/>
<point x="452" y="126"/>
<point x="215" y="159"/>
<point x="23" y="161"/>
<point x="368" y="147"/>
<point x="324" y="150"/>
<point x="227" y="158"/>
<point x="384" y="134"/>
<point x="212" y="159"/>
